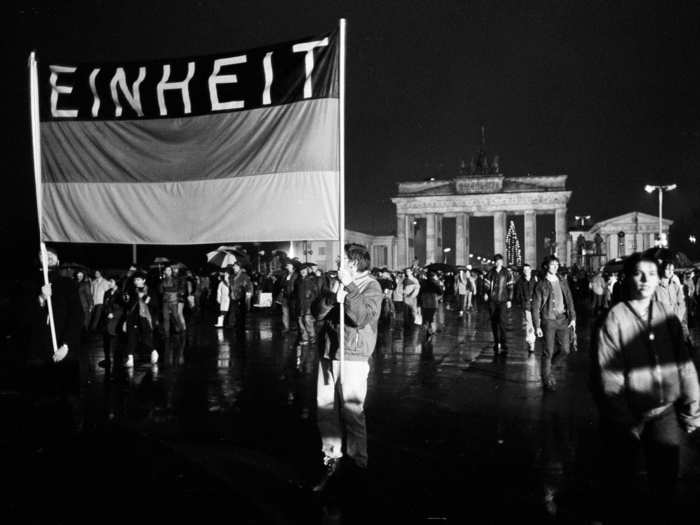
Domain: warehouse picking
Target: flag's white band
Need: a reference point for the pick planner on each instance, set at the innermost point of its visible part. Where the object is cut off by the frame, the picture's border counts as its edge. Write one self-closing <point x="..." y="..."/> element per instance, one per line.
<point x="269" y="207"/>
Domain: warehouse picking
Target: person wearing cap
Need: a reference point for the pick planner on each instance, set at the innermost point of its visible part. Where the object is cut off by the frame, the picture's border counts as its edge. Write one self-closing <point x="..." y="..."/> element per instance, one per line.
<point x="498" y="294"/>
<point x="553" y="314"/>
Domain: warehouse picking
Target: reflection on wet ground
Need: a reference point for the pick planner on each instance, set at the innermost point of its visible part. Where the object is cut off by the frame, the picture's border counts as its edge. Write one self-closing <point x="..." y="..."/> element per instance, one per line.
<point x="454" y="432"/>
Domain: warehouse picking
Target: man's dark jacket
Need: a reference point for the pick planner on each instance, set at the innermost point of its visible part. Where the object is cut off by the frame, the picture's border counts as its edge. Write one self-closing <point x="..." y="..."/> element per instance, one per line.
<point x="499" y="285"/>
<point x="525" y="292"/>
<point x="542" y="308"/>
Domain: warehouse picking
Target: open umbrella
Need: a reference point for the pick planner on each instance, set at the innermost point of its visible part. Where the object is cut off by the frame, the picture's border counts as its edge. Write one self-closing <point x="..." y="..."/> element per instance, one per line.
<point x="679" y="259"/>
<point x="440" y="267"/>
<point x="225" y="256"/>
<point x="75" y="268"/>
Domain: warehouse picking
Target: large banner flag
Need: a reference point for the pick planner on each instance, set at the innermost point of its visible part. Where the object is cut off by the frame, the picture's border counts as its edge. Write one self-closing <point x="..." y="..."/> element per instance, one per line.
<point x="241" y="146"/>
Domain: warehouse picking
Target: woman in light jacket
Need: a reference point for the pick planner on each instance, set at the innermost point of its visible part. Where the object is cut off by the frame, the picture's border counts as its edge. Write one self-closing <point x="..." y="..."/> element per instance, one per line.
<point x="222" y="297"/>
<point x="648" y="391"/>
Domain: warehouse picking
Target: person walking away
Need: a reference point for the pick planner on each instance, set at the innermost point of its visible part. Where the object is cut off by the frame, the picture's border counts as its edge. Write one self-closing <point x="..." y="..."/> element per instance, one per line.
<point x="388" y="286"/>
<point x="430" y="291"/>
<point x="553" y="315"/>
<point x="98" y="287"/>
<point x="524" y="295"/>
<point x="340" y="400"/>
<point x="397" y="293"/>
<point x="498" y="295"/>
<point x="222" y="299"/>
<point x="648" y="395"/>
<point x="307" y="291"/>
<point x="411" y="289"/>
<point x="597" y="286"/>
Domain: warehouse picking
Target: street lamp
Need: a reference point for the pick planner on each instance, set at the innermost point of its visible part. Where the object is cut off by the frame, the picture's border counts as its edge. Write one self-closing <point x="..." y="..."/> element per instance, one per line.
<point x="445" y="251"/>
<point x="649" y="188"/>
<point x="582" y="218"/>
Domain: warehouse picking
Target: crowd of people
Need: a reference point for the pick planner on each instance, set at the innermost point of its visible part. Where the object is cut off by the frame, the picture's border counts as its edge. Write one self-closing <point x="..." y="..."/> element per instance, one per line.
<point x="643" y="379"/>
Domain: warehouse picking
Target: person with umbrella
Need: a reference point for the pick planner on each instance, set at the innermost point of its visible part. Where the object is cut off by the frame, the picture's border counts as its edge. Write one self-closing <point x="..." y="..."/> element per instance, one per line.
<point x="498" y="294"/>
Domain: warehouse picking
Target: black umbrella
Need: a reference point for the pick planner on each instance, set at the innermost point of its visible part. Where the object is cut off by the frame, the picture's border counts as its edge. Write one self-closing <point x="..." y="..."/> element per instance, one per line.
<point x="75" y="268"/>
<point x="440" y="267"/>
<point x="679" y="259"/>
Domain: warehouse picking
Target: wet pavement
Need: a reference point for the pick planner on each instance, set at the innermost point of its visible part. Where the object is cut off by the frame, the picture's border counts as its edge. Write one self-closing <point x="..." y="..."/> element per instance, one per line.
<point x="225" y="426"/>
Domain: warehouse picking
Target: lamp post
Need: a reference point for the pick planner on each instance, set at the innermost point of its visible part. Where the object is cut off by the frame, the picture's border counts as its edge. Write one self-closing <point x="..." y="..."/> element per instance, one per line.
<point x="582" y="218"/>
<point x="445" y="251"/>
<point x="649" y="188"/>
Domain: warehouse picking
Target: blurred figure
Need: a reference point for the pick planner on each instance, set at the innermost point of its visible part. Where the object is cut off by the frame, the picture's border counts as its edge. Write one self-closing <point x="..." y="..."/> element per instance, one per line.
<point x="307" y="290"/>
<point x="112" y="312"/>
<point x="411" y="289"/>
<point x="597" y="286"/>
<point x="464" y="289"/>
<point x="85" y="294"/>
<point x="139" y="322"/>
<point x="285" y="296"/>
<point x="648" y="392"/>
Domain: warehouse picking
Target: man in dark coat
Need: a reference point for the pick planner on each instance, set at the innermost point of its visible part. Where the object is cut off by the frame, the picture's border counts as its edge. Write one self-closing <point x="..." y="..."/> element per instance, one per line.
<point x="307" y="290"/>
<point x="524" y="295"/>
<point x="48" y="374"/>
<point x="498" y="294"/>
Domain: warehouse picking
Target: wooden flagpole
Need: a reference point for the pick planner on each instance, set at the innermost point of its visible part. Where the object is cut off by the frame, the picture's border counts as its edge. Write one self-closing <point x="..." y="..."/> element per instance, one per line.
<point x="341" y="204"/>
<point x="36" y="153"/>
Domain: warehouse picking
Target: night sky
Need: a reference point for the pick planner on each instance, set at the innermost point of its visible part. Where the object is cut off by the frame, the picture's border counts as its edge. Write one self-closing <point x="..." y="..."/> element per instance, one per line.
<point x="607" y="94"/>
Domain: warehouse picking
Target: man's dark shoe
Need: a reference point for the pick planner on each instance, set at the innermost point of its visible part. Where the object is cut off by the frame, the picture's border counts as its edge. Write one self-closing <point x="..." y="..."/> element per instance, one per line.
<point x="330" y="467"/>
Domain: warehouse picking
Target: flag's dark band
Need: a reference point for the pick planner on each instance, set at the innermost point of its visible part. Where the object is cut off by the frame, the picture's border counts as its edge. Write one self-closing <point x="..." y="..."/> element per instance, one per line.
<point x="269" y="76"/>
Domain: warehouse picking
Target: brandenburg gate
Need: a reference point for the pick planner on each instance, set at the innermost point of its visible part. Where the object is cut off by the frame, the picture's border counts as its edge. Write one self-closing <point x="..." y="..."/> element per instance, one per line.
<point x="479" y="190"/>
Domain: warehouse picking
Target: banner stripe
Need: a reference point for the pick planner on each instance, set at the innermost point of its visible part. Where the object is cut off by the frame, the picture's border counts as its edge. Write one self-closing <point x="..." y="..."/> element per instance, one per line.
<point x="297" y="137"/>
<point x="272" y="207"/>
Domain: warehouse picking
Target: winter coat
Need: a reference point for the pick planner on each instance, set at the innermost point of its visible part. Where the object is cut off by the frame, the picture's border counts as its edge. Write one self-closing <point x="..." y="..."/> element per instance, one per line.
<point x="34" y="333"/>
<point x="499" y="285"/>
<point x="430" y="290"/>
<point x="85" y="293"/>
<point x="525" y="292"/>
<point x="306" y="292"/>
<point x="363" y="304"/>
<point x="411" y="289"/>
<point x="640" y="377"/>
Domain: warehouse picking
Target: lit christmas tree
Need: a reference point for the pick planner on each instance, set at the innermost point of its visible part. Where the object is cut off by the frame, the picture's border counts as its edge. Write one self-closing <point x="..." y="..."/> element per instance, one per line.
<point x="514" y="254"/>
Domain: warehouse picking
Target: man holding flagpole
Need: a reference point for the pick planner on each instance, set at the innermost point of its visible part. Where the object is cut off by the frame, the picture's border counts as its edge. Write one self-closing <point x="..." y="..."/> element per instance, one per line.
<point x="341" y="398"/>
